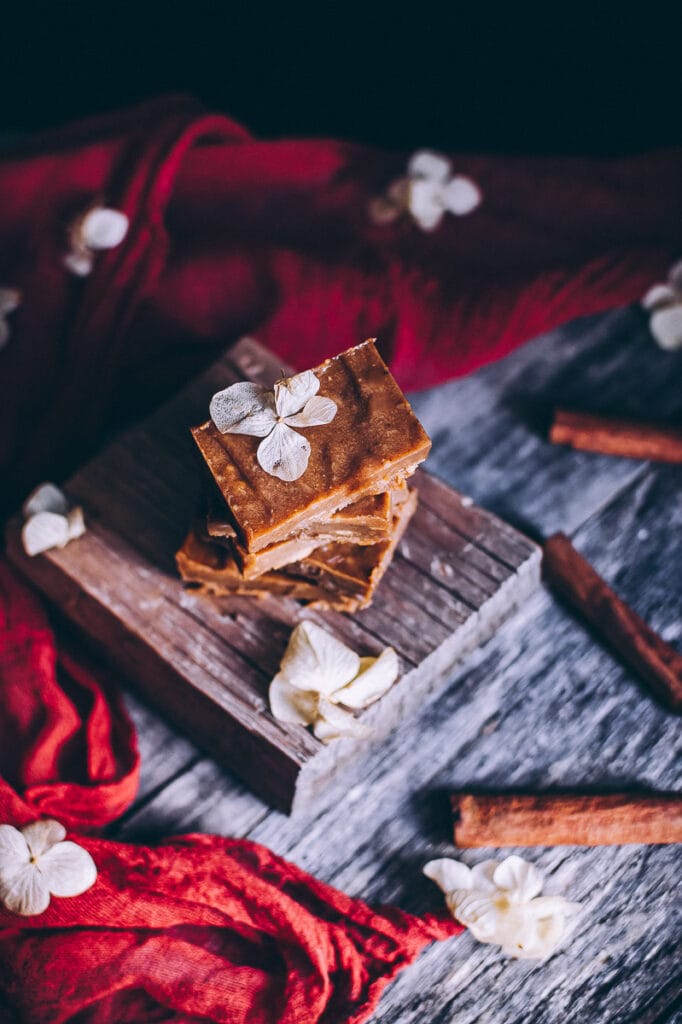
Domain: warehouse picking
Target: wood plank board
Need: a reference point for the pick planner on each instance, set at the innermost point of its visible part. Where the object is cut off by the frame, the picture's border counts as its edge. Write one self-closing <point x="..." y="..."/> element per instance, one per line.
<point x="207" y="663"/>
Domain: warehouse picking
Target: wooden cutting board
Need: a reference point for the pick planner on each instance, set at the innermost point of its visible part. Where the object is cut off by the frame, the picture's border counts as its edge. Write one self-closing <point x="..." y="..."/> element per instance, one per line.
<point x="205" y="662"/>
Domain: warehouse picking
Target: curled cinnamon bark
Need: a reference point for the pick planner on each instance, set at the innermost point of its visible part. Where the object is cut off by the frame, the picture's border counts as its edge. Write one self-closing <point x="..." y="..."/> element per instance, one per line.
<point x="557" y="820"/>
<point x="633" y="641"/>
<point x="616" y="437"/>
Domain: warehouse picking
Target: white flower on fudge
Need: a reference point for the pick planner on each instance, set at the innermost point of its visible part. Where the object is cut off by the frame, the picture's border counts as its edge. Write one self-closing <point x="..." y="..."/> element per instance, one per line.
<point x="499" y="903"/>
<point x="664" y="304"/>
<point x="321" y="682"/>
<point x="36" y="862"/>
<point x="252" y="409"/>
<point x="427" y="193"/>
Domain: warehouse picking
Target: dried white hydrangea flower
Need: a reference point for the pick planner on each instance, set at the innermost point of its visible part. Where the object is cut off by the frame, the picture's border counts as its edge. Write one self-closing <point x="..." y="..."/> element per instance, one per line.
<point x="99" y="228"/>
<point x="247" y="408"/>
<point x="10" y="299"/>
<point x="50" y="522"/>
<point x="499" y="904"/>
<point x="36" y="862"/>
<point x="664" y="303"/>
<point x="427" y="193"/>
<point x="321" y="681"/>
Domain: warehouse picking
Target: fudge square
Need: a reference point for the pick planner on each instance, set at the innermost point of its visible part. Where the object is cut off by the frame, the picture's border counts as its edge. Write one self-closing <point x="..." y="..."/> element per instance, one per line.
<point x="373" y="442"/>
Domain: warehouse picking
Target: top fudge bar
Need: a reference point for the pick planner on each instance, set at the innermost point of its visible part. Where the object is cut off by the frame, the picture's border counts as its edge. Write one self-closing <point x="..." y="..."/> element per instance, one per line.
<point x="373" y="442"/>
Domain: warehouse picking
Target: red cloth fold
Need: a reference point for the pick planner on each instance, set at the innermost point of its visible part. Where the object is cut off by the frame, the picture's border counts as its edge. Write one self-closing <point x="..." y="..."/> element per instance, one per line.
<point x="232" y="235"/>
<point x="198" y="928"/>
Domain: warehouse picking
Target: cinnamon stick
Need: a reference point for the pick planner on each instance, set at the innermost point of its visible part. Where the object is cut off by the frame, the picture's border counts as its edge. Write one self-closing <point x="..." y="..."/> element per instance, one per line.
<point x="633" y="641"/>
<point x="616" y="437"/>
<point x="547" y="820"/>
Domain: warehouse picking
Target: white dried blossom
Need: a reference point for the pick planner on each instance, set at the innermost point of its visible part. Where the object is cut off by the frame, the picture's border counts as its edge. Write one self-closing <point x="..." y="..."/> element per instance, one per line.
<point x="247" y="408"/>
<point x="664" y="303"/>
<point x="36" y="862"/>
<point x="427" y="192"/>
<point x="10" y="299"/>
<point x="99" y="228"/>
<point x="321" y="682"/>
<point x="50" y="522"/>
<point x="499" y="903"/>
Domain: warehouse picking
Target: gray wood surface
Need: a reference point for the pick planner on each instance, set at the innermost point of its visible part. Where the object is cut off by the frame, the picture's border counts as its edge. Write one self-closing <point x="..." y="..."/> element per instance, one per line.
<point x="542" y="705"/>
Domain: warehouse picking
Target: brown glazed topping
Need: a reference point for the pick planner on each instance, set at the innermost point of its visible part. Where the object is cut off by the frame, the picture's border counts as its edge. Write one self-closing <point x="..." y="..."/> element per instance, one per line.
<point x="373" y="440"/>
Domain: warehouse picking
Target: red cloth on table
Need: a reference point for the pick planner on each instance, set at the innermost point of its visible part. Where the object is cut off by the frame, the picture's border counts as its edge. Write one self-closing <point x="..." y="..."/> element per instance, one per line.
<point x="230" y="234"/>
<point x="198" y="928"/>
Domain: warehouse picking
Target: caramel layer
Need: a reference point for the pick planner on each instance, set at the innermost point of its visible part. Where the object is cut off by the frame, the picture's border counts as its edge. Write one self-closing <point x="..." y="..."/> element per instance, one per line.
<point x="353" y="570"/>
<point x="209" y="565"/>
<point x="367" y="521"/>
<point x="340" y="576"/>
<point x="373" y="442"/>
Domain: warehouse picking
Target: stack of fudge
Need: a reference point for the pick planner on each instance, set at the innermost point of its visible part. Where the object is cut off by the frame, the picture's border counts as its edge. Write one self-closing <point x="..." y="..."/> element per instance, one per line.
<point x="328" y="537"/>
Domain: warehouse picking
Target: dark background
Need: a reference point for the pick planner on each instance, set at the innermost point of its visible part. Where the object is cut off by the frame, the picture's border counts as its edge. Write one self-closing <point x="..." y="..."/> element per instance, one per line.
<point x="566" y="81"/>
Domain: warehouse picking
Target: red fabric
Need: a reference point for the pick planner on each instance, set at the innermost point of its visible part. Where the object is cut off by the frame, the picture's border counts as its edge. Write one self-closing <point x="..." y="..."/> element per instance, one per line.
<point x="230" y="235"/>
<point x="200" y="928"/>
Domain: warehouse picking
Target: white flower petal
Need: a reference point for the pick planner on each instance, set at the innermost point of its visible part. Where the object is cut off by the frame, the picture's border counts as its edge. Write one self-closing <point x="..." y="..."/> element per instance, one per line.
<point x="461" y="195"/>
<point x="659" y="295"/>
<point x="426" y="203"/>
<point x="314" y="413"/>
<point x="45" y="498"/>
<point x="425" y="163"/>
<point x="375" y="677"/>
<point x="76" y="523"/>
<point x="478" y="912"/>
<point x="517" y="931"/>
<point x="333" y="723"/>
<point x="520" y="880"/>
<point x="284" y="453"/>
<point x="483" y="876"/>
<point x="315" y="660"/>
<point x="675" y="276"/>
<point x="243" y="408"/>
<point x="290" y="704"/>
<point x="527" y="938"/>
<point x="41" y="835"/>
<point x="292" y="393"/>
<point x="448" y="874"/>
<point x="26" y="893"/>
<point x="44" y="531"/>
<point x="14" y="850"/>
<point x="103" y="228"/>
<point x="666" y="327"/>
<point x="10" y="299"/>
<point x="79" y="263"/>
<point x="68" y="869"/>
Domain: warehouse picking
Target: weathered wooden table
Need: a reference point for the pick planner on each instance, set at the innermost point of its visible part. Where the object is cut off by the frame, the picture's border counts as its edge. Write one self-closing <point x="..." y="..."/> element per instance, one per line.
<point x="541" y="705"/>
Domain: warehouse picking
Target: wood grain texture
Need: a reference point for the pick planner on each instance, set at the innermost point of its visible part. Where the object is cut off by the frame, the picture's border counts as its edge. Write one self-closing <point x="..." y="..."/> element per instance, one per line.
<point x="541" y="706"/>
<point x="207" y="663"/>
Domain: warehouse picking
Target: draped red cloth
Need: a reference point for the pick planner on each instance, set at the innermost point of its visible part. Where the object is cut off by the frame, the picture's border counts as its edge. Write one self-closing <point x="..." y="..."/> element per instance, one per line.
<point x="229" y="234"/>
<point x="199" y="928"/>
